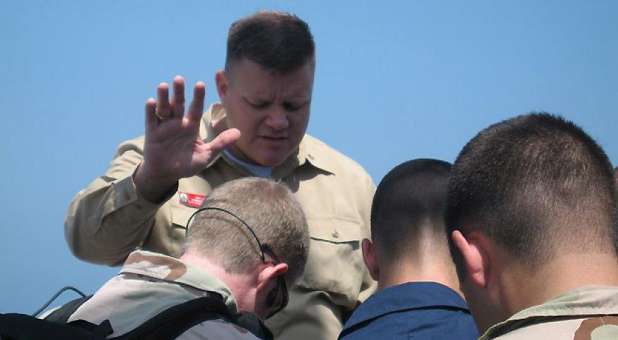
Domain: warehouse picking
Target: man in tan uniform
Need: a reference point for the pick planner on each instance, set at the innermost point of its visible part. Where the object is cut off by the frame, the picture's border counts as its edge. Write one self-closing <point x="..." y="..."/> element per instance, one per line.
<point x="531" y="211"/>
<point x="155" y="182"/>
<point x="250" y="237"/>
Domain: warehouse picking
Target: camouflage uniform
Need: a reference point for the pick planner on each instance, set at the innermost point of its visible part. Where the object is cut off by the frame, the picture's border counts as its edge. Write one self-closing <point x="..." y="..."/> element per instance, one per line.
<point x="589" y="313"/>
<point x="108" y="219"/>
<point x="150" y="283"/>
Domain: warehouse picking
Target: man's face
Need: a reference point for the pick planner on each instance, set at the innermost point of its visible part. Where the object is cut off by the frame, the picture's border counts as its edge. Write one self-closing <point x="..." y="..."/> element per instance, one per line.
<point x="270" y="109"/>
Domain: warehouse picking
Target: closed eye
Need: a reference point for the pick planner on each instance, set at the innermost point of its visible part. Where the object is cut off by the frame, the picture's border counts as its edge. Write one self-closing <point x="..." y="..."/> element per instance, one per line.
<point x="288" y="106"/>
<point x="257" y="104"/>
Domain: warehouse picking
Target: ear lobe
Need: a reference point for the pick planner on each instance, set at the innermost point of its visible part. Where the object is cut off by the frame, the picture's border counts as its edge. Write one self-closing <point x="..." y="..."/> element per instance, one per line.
<point x="474" y="259"/>
<point x="369" y="257"/>
<point x="222" y="84"/>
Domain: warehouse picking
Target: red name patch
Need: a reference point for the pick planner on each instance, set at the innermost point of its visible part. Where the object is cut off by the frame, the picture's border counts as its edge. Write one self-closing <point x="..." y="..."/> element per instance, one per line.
<point x="191" y="200"/>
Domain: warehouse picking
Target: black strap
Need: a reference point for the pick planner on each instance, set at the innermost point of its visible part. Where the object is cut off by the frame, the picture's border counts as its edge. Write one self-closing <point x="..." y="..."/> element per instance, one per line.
<point x="253" y="324"/>
<point x="166" y="325"/>
<point x="175" y="320"/>
<point x="26" y="327"/>
<point x="62" y="314"/>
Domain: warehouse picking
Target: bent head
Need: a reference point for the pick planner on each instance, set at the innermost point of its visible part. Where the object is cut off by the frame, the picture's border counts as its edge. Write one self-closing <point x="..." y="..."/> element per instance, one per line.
<point x="267" y="85"/>
<point x="522" y="193"/>
<point x="256" y="232"/>
<point x="407" y="224"/>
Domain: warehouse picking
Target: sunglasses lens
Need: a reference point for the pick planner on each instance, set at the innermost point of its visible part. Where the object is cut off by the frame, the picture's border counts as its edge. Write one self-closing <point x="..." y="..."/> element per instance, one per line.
<point x="281" y="298"/>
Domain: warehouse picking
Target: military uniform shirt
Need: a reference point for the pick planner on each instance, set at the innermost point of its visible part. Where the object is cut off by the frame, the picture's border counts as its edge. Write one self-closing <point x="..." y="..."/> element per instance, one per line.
<point x="150" y="283"/>
<point x="109" y="219"/>
<point x="589" y="313"/>
<point x="412" y="310"/>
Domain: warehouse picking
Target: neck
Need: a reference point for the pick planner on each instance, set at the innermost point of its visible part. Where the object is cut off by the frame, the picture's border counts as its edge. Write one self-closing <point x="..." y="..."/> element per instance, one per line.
<point x="237" y="283"/>
<point x="428" y="268"/>
<point x="522" y="287"/>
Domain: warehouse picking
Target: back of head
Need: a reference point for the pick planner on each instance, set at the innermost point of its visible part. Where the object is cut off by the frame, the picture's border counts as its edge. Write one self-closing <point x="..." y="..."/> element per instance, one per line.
<point x="271" y="211"/>
<point x="277" y="41"/>
<point x="536" y="185"/>
<point x="409" y="205"/>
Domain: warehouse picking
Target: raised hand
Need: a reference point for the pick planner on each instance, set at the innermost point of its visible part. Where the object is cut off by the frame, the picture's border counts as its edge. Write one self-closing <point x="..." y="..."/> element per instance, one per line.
<point x="173" y="148"/>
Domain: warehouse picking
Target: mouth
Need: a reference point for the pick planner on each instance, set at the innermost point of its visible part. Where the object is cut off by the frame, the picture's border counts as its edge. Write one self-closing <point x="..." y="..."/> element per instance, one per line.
<point x="274" y="138"/>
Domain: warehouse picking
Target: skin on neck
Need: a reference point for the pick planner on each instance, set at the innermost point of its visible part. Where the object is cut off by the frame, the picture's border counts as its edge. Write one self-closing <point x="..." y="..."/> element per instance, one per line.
<point x="499" y="285"/>
<point x="521" y="287"/>
<point x="429" y="261"/>
<point x="242" y="285"/>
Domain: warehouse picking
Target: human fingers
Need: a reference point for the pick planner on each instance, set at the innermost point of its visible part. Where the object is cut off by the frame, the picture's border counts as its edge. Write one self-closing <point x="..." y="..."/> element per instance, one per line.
<point x="224" y="139"/>
<point x="178" y="98"/>
<point x="151" y="116"/>
<point x="197" y="104"/>
<point x="163" y="106"/>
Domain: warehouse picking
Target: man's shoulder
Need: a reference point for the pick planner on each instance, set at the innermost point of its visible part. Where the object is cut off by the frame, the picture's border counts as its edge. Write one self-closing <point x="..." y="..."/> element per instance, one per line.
<point x="398" y="310"/>
<point x="217" y="329"/>
<point x="583" y="310"/>
<point x="326" y="157"/>
<point x="133" y="144"/>
<point x="432" y="323"/>
<point x="604" y="328"/>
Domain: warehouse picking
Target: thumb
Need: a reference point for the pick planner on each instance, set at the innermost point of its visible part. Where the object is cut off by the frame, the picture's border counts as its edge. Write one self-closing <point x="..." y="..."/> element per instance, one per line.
<point x="224" y="139"/>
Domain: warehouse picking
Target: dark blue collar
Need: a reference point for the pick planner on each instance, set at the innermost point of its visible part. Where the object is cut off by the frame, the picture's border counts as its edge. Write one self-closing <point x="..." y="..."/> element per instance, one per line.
<point x="411" y="295"/>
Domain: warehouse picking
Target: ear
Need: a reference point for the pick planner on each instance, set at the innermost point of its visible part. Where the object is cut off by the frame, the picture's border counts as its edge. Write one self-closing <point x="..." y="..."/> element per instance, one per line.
<point x="222" y="84"/>
<point x="369" y="256"/>
<point x="269" y="273"/>
<point x="474" y="256"/>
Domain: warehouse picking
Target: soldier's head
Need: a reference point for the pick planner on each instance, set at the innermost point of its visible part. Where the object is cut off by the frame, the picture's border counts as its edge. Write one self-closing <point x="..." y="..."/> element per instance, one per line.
<point x="267" y="85"/>
<point x="255" y="231"/>
<point x="525" y="195"/>
<point x="407" y="225"/>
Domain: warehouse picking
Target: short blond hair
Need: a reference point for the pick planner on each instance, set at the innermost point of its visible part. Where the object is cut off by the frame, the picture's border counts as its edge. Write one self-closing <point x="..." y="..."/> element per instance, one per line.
<point x="269" y="208"/>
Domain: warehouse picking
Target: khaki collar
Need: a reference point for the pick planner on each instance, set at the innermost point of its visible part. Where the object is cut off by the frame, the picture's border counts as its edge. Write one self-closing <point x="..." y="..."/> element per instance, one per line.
<point x="307" y="151"/>
<point x="583" y="301"/>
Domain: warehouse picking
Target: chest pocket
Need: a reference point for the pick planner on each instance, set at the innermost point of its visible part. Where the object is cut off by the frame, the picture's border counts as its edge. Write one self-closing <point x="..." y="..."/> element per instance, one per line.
<point x="168" y="233"/>
<point x="335" y="262"/>
<point x="180" y="215"/>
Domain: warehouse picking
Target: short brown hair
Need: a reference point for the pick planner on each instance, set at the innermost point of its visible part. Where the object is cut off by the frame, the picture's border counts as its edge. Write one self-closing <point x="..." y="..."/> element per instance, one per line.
<point x="269" y="208"/>
<point x="277" y="41"/>
<point x="538" y="186"/>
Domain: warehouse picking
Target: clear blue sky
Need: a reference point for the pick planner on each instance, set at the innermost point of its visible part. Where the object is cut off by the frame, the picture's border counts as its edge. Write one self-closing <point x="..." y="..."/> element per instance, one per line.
<point x="395" y="81"/>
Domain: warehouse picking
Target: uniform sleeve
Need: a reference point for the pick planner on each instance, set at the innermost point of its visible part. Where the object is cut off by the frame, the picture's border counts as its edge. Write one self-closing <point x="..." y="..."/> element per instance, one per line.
<point x="108" y="219"/>
<point x="368" y="286"/>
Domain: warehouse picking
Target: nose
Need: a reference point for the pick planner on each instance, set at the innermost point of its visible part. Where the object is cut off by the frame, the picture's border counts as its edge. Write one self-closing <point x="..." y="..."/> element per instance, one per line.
<point x="278" y="119"/>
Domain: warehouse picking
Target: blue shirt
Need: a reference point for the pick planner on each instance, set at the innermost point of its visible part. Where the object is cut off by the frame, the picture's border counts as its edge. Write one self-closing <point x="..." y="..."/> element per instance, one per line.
<point x="254" y="169"/>
<point x="414" y="310"/>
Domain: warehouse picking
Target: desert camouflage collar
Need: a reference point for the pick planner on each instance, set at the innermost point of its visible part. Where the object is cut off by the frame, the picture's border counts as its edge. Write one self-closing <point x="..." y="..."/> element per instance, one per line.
<point x="583" y="301"/>
<point x="170" y="269"/>
<point x="304" y="154"/>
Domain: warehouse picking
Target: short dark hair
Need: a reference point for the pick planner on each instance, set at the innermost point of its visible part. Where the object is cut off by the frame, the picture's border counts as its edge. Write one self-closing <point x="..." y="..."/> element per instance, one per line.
<point x="409" y="200"/>
<point x="277" y="41"/>
<point x="538" y="186"/>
